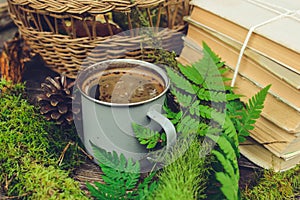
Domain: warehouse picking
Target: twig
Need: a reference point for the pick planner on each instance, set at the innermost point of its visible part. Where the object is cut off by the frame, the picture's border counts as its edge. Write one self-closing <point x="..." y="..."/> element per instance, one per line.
<point x="14" y="197"/>
<point x="62" y="155"/>
<point x="85" y="153"/>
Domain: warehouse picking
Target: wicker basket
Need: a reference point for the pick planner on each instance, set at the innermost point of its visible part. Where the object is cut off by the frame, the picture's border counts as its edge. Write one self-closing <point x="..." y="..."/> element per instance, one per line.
<point x="67" y="32"/>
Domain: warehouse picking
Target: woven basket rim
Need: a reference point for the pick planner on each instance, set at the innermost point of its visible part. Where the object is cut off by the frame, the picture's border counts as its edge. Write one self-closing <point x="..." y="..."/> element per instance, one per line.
<point x="114" y="41"/>
<point x="76" y="7"/>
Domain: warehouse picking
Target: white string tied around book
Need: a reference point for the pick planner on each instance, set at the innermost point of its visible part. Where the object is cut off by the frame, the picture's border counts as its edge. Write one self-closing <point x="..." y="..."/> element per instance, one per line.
<point x="285" y="14"/>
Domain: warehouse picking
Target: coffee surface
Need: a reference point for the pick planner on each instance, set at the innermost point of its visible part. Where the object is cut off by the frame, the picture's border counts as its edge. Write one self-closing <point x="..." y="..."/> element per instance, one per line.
<point x="128" y="86"/>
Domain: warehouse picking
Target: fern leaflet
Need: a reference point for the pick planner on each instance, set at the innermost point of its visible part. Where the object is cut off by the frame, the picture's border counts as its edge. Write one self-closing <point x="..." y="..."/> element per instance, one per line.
<point x="228" y="176"/>
<point x="229" y="190"/>
<point x="232" y="97"/>
<point x="183" y="99"/>
<point x="212" y="114"/>
<point x="211" y="76"/>
<point x="210" y="95"/>
<point x="180" y="81"/>
<point x="189" y="125"/>
<point x="121" y="178"/>
<point x="194" y="108"/>
<point x="191" y="73"/>
<point x="148" y="137"/>
<point x="251" y="113"/>
<point x="213" y="55"/>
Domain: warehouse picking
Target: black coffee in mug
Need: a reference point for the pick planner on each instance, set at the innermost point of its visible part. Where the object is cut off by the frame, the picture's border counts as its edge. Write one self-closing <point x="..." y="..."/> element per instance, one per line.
<point x="129" y="85"/>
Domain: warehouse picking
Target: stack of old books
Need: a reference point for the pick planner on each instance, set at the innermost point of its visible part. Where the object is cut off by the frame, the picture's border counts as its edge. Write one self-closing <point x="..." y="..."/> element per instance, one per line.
<point x="271" y="56"/>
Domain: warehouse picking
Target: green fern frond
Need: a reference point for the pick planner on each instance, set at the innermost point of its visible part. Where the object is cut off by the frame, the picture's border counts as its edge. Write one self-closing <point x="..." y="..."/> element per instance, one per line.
<point x="112" y="160"/>
<point x="233" y="96"/>
<point x="174" y="117"/>
<point x="224" y="70"/>
<point x="211" y="113"/>
<point x="220" y="64"/>
<point x="107" y="159"/>
<point x="251" y="113"/>
<point x="115" y="176"/>
<point x="212" y="131"/>
<point x="206" y="111"/>
<point x="147" y="187"/>
<point x="194" y="108"/>
<point x="212" y="55"/>
<point x="121" y="178"/>
<point x="228" y="190"/>
<point x="227" y="148"/>
<point x="203" y="94"/>
<point x="180" y="82"/>
<point x="147" y="136"/>
<point x="226" y="154"/>
<point x="204" y="75"/>
<point x="211" y="77"/>
<point x="233" y="107"/>
<point x="188" y="125"/>
<point x="211" y="95"/>
<point x="183" y="100"/>
<point x="214" y="81"/>
<point x="229" y="130"/>
<point x="210" y="71"/>
<point x="228" y="167"/>
<point x="100" y="193"/>
<point x="228" y="176"/>
<point x="191" y="73"/>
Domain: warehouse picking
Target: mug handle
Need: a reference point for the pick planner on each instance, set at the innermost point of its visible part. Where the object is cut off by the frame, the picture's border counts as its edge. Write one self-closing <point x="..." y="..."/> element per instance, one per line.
<point x="166" y="124"/>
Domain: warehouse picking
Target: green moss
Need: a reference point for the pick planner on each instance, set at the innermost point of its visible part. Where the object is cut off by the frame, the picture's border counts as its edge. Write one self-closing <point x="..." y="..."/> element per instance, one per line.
<point x="30" y="146"/>
<point x="275" y="185"/>
<point x="50" y="183"/>
<point x="185" y="177"/>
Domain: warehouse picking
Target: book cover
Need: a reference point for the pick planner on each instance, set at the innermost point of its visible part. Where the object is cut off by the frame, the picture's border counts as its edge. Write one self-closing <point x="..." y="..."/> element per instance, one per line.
<point x="277" y="39"/>
<point x="278" y="69"/>
<point x="249" y="68"/>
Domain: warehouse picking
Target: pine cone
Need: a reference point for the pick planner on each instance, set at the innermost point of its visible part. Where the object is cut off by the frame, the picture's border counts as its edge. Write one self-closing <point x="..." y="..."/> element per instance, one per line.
<point x="56" y="100"/>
